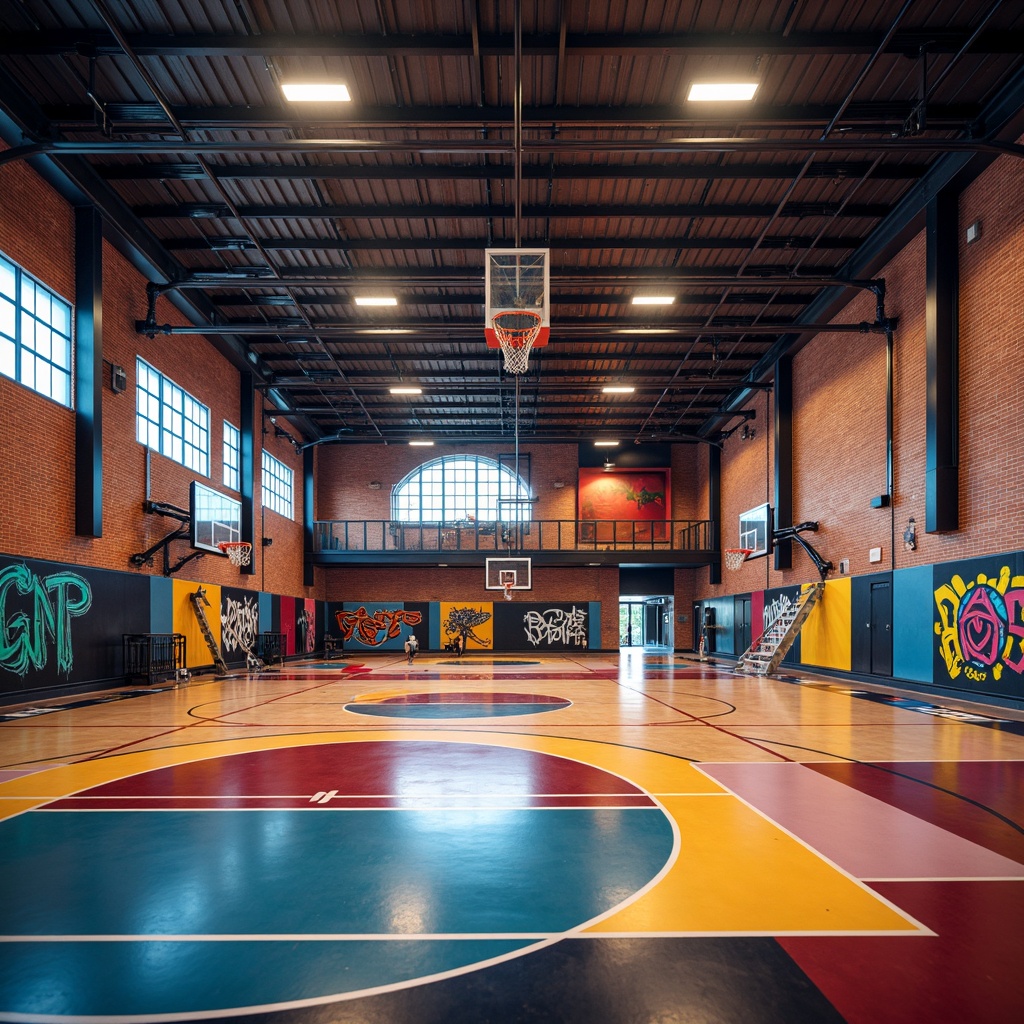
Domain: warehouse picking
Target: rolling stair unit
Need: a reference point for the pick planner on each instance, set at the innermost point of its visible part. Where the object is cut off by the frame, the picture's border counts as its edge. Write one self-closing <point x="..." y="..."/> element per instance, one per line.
<point x="199" y="602"/>
<point x="765" y="654"/>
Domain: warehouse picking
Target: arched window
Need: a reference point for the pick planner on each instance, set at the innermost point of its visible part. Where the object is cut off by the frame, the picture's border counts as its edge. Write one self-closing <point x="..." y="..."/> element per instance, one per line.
<point x="458" y="487"/>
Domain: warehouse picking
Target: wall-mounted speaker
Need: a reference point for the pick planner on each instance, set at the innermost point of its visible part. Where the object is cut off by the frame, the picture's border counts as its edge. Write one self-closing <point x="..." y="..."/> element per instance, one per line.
<point x="118" y="379"/>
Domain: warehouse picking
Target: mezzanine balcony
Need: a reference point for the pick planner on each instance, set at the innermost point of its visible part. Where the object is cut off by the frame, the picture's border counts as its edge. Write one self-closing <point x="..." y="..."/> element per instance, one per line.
<point x="684" y="542"/>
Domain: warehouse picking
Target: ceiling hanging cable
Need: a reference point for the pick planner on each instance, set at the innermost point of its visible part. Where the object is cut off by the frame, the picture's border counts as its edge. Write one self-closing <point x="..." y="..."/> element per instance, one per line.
<point x="517" y="185"/>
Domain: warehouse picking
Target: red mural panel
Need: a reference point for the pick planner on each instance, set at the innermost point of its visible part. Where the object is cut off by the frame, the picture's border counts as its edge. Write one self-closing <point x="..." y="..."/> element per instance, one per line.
<point x="288" y="624"/>
<point x="639" y="501"/>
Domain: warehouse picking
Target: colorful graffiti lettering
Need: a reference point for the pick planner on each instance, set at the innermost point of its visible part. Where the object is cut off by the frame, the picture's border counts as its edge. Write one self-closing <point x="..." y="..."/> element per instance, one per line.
<point x="373" y="630"/>
<point x="981" y="625"/>
<point x="55" y="600"/>
<point x="556" y="626"/>
<point x="240" y="622"/>
<point x="773" y="610"/>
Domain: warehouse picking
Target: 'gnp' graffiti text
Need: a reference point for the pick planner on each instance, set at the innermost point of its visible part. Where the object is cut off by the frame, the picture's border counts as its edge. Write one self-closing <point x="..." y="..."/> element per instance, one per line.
<point x="35" y="609"/>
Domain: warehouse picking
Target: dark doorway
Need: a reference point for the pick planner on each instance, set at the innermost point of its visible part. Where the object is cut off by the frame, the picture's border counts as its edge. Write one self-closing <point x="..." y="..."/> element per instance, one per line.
<point x="742" y="625"/>
<point x="881" y="628"/>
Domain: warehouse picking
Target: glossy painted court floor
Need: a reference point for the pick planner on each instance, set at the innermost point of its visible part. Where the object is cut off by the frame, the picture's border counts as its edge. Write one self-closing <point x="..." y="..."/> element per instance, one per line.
<point x="573" y="839"/>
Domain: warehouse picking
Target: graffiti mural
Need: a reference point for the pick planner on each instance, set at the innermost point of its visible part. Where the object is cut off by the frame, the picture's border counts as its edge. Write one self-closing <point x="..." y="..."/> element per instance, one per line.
<point x="373" y="630"/>
<point x="305" y="625"/>
<point x="27" y="626"/>
<point x="981" y="625"/>
<point x="240" y="623"/>
<point x="463" y="621"/>
<point x="556" y="626"/>
<point x="773" y="609"/>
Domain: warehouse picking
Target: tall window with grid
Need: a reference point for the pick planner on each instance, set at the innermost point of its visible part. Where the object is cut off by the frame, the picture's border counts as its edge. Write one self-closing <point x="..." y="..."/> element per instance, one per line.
<point x="231" y="456"/>
<point x="170" y="421"/>
<point x="35" y="334"/>
<point x="460" y="487"/>
<point x="276" y="486"/>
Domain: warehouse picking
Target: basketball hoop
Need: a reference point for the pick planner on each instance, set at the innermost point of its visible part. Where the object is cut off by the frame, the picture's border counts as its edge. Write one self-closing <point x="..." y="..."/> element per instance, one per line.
<point x="516" y="331"/>
<point x="735" y="557"/>
<point x="239" y="552"/>
<point x="508" y="590"/>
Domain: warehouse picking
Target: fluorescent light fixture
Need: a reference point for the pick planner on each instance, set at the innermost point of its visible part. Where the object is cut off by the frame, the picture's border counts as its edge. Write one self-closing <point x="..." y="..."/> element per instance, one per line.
<point x="606" y="444"/>
<point x="618" y="389"/>
<point x="653" y="300"/>
<point x="315" y="92"/>
<point x="701" y="92"/>
<point x="422" y="444"/>
<point x="376" y="300"/>
<point x="385" y="330"/>
<point x="406" y="391"/>
<point x="646" y="330"/>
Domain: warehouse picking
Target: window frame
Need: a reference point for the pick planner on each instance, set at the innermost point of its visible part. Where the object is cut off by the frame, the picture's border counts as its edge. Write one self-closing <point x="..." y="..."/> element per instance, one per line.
<point x="436" y="492"/>
<point x="166" y="415"/>
<point x="26" y="361"/>
<point x="231" y="456"/>
<point x="277" y="485"/>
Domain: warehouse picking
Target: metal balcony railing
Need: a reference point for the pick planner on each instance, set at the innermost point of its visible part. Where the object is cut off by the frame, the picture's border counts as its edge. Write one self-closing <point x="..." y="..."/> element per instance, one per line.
<point x="387" y="535"/>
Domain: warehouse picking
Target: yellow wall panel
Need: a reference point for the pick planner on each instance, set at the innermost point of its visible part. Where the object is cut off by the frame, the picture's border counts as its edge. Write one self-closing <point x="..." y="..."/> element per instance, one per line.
<point x="825" y="638"/>
<point x="185" y="621"/>
<point x="483" y="630"/>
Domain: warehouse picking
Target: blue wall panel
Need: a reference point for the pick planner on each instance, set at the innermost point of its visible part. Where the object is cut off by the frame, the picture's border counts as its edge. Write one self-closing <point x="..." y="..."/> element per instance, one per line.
<point x="161" y="604"/>
<point x="913" y="634"/>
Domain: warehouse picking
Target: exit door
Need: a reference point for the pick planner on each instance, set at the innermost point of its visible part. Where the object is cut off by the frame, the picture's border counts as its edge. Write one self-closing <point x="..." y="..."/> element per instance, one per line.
<point x="881" y="628"/>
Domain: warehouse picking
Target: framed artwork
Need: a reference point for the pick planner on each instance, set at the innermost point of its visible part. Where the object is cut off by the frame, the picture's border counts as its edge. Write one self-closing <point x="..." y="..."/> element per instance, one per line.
<point x="624" y="506"/>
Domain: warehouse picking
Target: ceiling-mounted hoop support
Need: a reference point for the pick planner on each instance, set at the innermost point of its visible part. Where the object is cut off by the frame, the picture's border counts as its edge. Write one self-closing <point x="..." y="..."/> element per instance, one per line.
<point x="823" y="565"/>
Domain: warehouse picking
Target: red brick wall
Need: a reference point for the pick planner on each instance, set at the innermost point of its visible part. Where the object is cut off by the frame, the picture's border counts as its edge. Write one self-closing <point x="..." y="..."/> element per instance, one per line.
<point x="37" y="436"/>
<point x="839" y="414"/>
<point x="839" y="422"/>
<point x="346" y="471"/>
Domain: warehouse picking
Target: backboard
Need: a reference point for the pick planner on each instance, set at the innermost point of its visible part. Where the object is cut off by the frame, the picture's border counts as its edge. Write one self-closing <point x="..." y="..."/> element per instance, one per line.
<point x="214" y="518"/>
<point x="517" y="279"/>
<point x="756" y="531"/>
<point x="497" y="572"/>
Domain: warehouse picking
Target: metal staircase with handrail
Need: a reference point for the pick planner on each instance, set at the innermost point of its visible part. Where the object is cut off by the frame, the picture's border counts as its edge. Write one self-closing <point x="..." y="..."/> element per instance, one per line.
<point x="765" y="654"/>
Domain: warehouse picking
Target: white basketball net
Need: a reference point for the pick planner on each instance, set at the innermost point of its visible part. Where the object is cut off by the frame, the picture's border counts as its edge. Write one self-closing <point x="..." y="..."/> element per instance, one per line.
<point x="508" y="591"/>
<point x="238" y="554"/>
<point x="516" y="330"/>
<point x="734" y="558"/>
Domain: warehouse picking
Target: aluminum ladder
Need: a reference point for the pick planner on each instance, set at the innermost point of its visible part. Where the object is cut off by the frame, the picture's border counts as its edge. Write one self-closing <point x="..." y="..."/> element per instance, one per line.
<point x="765" y="654"/>
<point x="198" y="600"/>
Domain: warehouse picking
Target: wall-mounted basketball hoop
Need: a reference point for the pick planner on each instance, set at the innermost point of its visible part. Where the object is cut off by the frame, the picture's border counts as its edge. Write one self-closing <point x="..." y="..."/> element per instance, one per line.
<point x="735" y="557"/>
<point x="239" y="552"/>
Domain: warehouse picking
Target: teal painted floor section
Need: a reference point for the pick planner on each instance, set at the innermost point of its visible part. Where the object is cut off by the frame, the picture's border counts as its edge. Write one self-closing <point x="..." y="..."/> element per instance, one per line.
<point x="503" y="878"/>
<point x="107" y="979"/>
<point x="451" y="710"/>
